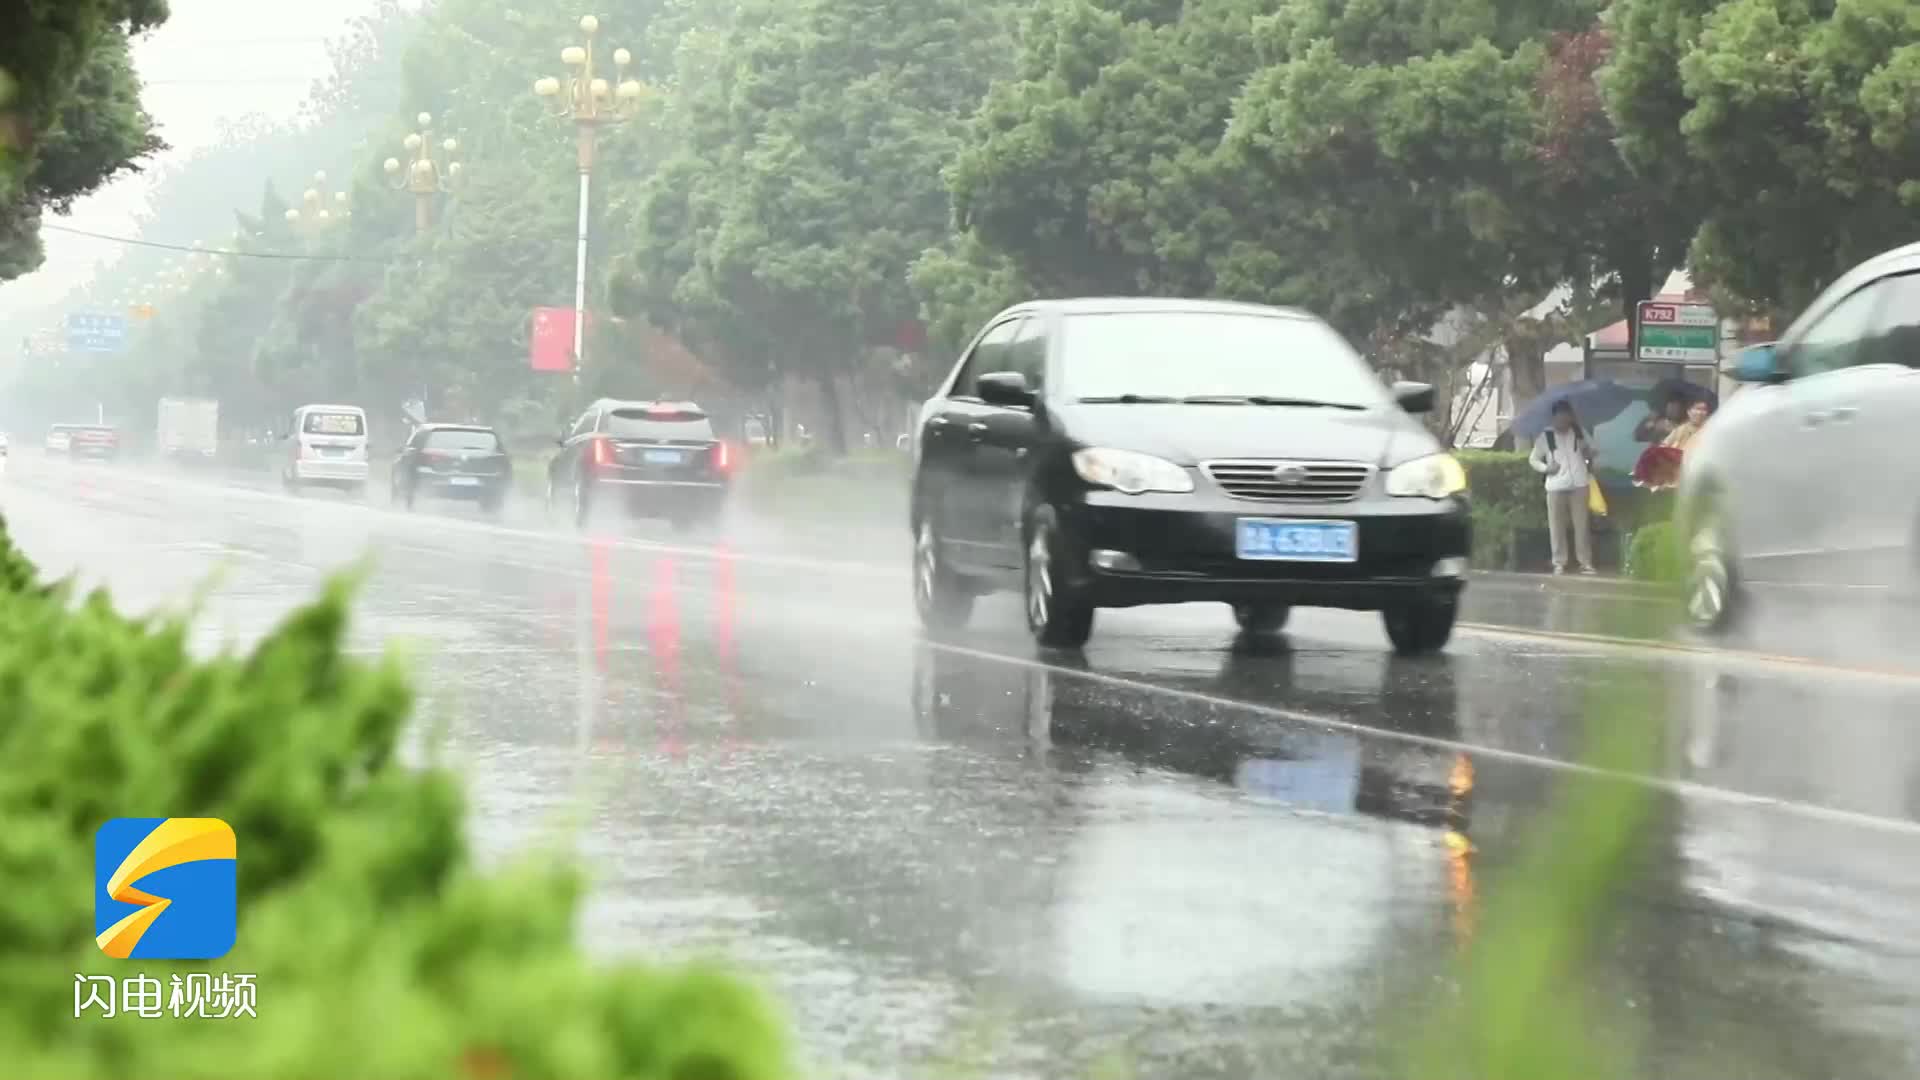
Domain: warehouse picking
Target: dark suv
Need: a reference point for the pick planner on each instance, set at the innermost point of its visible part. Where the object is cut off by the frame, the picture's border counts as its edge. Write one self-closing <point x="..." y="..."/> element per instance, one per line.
<point x="1111" y="453"/>
<point x="657" y="459"/>
<point x="454" y="461"/>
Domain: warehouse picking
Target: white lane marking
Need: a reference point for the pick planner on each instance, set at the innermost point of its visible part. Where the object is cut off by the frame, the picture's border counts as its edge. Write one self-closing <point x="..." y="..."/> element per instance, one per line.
<point x="577" y="542"/>
<point x="1664" y="649"/>
<point x="517" y="532"/>
<point x="1681" y="788"/>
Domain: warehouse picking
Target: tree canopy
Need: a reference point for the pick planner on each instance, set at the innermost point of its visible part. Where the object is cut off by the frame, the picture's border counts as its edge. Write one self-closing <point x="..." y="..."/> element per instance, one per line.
<point x="70" y="115"/>
<point x="836" y="193"/>
<point x="1792" y="130"/>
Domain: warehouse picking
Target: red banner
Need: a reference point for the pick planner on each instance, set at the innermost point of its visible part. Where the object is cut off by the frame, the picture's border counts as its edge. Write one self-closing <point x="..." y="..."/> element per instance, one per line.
<point x="551" y="344"/>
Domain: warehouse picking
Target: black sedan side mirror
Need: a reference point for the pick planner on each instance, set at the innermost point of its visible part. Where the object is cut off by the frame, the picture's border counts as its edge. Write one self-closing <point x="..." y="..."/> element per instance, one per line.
<point x="1415" y="397"/>
<point x="1006" y="388"/>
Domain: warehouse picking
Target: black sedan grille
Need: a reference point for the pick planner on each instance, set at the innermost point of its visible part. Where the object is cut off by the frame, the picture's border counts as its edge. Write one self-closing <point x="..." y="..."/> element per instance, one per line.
<point x="1290" y="481"/>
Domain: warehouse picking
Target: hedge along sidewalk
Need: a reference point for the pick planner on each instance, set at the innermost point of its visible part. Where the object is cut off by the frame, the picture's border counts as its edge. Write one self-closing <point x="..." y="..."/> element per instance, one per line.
<point x="379" y="952"/>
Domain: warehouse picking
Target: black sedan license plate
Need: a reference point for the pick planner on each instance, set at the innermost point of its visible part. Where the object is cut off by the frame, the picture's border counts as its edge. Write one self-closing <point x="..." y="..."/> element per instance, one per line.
<point x="1297" y="540"/>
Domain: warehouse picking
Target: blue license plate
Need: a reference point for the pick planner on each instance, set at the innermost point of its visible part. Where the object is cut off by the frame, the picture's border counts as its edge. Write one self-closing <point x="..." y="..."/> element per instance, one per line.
<point x="1297" y="540"/>
<point x="466" y="481"/>
<point x="664" y="457"/>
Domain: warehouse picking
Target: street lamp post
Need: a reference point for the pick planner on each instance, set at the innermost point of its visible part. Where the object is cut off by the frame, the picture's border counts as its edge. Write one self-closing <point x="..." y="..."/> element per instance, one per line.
<point x="590" y="102"/>
<point x="421" y="174"/>
<point x="319" y="208"/>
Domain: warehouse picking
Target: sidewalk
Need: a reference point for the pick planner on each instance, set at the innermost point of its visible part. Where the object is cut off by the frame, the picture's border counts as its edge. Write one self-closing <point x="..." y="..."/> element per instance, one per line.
<point x="1614" y="584"/>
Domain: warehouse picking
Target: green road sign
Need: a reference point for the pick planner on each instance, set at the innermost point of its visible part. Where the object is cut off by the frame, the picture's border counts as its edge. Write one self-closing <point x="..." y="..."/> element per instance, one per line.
<point x="1667" y="333"/>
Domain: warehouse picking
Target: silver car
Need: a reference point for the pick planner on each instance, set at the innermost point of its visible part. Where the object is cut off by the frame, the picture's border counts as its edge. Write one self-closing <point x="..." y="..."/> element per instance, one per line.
<point x="1807" y="476"/>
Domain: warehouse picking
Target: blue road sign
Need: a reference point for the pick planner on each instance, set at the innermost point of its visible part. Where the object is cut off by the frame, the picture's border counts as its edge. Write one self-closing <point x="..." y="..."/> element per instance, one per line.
<point x="96" y="333"/>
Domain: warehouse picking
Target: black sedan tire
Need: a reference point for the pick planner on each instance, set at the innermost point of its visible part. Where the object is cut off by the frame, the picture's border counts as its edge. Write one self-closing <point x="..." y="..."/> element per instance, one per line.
<point x="940" y="596"/>
<point x="1420" y="625"/>
<point x="1058" y="616"/>
<point x="1262" y="618"/>
<point x="582" y="505"/>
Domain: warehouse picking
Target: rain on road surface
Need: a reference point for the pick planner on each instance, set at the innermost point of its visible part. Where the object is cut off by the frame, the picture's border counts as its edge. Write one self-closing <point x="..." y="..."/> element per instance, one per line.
<point x="1212" y="859"/>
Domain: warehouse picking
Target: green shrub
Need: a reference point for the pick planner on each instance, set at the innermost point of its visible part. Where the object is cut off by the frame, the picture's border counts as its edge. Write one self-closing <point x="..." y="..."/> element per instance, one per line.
<point x="866" y="484"/>
<point x="1655" y="553"/>
<point x="380" y="952"/>
<point x="1505" y="494"/>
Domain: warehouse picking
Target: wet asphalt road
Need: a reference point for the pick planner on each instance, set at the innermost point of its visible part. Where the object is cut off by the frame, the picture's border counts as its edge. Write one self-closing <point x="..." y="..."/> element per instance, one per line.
<point x="1205" y="857"/>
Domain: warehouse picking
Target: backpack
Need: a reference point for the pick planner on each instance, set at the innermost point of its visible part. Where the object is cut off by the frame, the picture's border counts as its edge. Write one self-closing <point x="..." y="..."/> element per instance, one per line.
<point x="1554" y="448"/>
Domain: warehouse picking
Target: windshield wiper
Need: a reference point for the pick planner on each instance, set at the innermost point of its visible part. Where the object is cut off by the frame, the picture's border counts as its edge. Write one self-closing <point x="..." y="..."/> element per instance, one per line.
<point x="1128" y="399"/>
<point x="1263" y="399"/>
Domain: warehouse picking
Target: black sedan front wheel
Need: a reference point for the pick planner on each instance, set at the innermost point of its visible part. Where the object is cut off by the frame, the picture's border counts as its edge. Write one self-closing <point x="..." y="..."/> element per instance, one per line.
<point x="1057" y="615"/>
<point x="1261" y="618"/>
<point x="1420" y="625"/>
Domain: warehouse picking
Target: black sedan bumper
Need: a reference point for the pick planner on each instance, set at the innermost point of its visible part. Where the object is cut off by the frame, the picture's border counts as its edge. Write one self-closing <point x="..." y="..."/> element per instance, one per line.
<point x="1165" y="549"/>
<point x="646" y="498"/>
<point x="484" y="488"/>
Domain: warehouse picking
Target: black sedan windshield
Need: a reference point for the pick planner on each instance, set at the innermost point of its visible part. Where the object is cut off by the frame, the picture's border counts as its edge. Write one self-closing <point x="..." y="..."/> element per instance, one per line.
<point x="1215" y="357"/>
<point x="462" y="439"/>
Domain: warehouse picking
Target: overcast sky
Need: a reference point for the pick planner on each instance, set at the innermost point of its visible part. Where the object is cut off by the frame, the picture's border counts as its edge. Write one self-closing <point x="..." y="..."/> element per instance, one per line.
<point x="213" y="60"/>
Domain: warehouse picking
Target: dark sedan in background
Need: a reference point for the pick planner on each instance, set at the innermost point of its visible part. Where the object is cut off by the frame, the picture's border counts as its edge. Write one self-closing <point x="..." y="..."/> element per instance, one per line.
<point x="1111" y="453"/>
<point x="454" y="461"/>
<point x="643" y="459"/>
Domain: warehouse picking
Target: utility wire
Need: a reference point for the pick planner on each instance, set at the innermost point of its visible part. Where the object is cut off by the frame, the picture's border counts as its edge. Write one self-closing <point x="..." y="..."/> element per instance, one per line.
<point x="288" y="255"/>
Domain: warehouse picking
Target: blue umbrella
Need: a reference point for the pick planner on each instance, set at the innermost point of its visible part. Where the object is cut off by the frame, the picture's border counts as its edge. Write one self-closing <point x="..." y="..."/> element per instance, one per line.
<point x="1595" y="401"/>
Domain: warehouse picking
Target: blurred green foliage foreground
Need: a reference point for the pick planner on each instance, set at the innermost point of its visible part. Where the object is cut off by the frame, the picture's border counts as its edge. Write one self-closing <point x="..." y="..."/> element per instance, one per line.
<point x="380" y="952"/>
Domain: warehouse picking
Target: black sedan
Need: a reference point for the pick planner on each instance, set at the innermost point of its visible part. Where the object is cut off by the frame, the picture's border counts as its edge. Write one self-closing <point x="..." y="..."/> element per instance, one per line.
<point x="641" y="459"/>
<point x="1113" y="453"/>
<point x="454" y="461"/>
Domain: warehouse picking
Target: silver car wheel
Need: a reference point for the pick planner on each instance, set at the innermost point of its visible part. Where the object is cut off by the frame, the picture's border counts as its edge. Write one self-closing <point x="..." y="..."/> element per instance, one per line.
<point x="1707" y="579"/>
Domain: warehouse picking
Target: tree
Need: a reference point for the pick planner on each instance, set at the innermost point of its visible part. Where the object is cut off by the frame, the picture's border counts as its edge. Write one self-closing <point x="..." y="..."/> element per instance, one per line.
<point x="1790" y="128"/>
<point x="1091" y="168"/>
<point x="70" y="116"/>
<point x="1382" y="164"/>
<point x="809" y="182"/>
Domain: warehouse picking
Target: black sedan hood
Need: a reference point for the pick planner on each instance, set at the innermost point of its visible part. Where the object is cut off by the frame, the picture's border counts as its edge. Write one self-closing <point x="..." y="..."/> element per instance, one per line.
<point x="1189" y="434"/>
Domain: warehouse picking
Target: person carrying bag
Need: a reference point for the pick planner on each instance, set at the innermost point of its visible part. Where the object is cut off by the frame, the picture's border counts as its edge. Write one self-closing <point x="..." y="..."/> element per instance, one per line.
<point x="1564" y="455"/>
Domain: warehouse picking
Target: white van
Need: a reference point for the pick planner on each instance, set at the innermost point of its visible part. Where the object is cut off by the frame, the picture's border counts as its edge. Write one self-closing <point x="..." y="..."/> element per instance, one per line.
<point x="325" y="445"/>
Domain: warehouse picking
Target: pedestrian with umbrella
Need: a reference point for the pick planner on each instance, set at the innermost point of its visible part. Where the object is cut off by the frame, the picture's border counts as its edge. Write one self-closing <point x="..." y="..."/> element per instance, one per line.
<point x="1595" y="401"/>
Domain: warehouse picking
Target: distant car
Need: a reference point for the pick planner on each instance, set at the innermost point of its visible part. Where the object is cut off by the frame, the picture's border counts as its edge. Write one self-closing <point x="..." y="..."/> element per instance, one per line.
<point x="86" y="442"/>
<point x="1111" y="453"/>
<point x="325" y="446"/>
<point x="3" y="450"/>
<point x="1801" y="478"/>
<point x="454" y="461"/>
<point x="644" y="459"/>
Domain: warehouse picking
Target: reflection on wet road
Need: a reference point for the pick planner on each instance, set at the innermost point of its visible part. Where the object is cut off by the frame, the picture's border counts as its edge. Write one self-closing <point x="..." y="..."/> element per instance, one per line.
<point x="1211" y="857"/>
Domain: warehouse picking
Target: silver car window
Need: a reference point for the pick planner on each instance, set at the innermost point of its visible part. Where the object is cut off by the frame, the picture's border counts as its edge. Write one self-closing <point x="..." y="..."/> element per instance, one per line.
<point x="1837" y="339"/>
<point x="1898" y="340"/>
